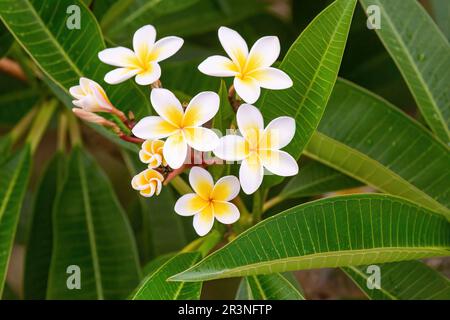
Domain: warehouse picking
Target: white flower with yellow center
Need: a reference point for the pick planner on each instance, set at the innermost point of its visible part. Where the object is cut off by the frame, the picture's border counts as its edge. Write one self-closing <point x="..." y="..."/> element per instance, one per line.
<point x="251" y="70"/>
<point x="90" y="96"/>
<point x="143" y="61"/>
<point x="151" y="153"/>
<point x="148" y="182"/>
<point x="209" y="200"/>
<point x="258" y="148"/>
<point x="182" y="128"/>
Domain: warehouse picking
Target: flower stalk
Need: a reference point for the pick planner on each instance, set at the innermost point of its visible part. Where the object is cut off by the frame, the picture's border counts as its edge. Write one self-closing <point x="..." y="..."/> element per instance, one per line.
<point x="40" y="123"/>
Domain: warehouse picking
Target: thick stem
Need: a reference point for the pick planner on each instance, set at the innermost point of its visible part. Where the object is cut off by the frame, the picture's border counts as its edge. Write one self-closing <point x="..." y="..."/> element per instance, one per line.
<point x="74" y="130"/>
<point x="22" y="125"/>
<point x="131" y="139"/>
<point x="257" y="205"/>
<point x="62" y="132"/>
<point x="271" y="203"/>
<point x="180" y="185"/>
<point x="40" y="123"/>
<point x="245" y="221"/>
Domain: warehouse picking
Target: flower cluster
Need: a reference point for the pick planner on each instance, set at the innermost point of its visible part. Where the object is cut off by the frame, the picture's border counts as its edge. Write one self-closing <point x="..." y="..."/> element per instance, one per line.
<point x="169" y="138"/>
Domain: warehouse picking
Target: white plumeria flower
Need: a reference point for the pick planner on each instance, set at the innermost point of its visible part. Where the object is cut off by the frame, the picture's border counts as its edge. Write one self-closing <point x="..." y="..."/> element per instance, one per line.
<point x="151" y="153"/>
<point x="90" y="96"/>
<point x="182" y="128"/>
<point x="148" y="182"/>
<point x="258" y="148"/>
<point x="209" y="200"/>
<point x="143" y="61"/>
<point x="251" y="70"/>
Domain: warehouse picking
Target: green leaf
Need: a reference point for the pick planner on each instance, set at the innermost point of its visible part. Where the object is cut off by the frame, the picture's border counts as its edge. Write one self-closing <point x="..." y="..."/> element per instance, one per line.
<point x="91" y="231"/>
<point x="14" y="175"/>
<point x="367" y="138"/>
<point x="39" y="244"/>
<point x="6" y="40"/>
<point x="268" y="287"/>
<point x="441" y="10"/>
<point x="156" y="263"/>
<point x="313" y="63"/>
<point x="156" y="286"/>
<point x="315" y="178"/>
<point x="15" y="104"/>
<point x="63" y="54"/>
<point x="410" y="280"/>
<point x="422" y="54"/>
<point x="333" y="232"/>
<point x="125" y="17"/>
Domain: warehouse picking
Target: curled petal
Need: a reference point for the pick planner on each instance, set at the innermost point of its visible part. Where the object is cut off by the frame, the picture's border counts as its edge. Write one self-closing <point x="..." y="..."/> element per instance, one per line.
<point x="278" y="133"/>
<point x="226" y="188"/>
<point x="190" y="204"/>
<point x="251" y="174"/>
<point x="153" y="127"/>
<point x="248" y="89"/>
<point x="264" y="53"/>
<point x="201" y="139"/>
<point x="175" y="151"/>
<point x="166" y="47"/>
<point x="271" y="78"/>
<point x="202" y="108"/>
<point x="118" y="57"/>
<point x="201" y="181"/>
<point x="152" y="74"/>
<point x="234" y="45"/>
<point x="218" y="66"/>
<point x="278" y="162"/>
<point x="232" y="148"/>
<point x="204" y="220"/>
<point x="120" y="75"/>
<point x="143" y="41"/>
<point x="225" y="212"/>
<point x="167" y="106"/>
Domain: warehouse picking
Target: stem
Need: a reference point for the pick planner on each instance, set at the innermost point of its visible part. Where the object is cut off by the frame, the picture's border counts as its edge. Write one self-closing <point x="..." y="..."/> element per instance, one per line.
<point x="74" y="130"/>
<point x="257" y="206"/>
<point x="272" y="202"/>
<point x="62" y="131"/>
<point x="205" y="244"/>
<point x="245" y="220"/>
<point x="22" y="125"/>
<point x="130" y="139"/>
<point x="180" y="185"/>
<point x="40" y="123"/>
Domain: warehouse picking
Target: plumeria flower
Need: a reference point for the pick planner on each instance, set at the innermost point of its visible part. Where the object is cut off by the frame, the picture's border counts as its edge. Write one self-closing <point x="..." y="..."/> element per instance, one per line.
<point x="142" y="61"/>
<point x="258" y="148"/>
<point x="151" y="153"/>
<point x="251" y="70"/>
<point x="90" y="96"/>
<point x="148" y="182"/>
<point x="182" y="128"/>
<point x="209" y="200"/>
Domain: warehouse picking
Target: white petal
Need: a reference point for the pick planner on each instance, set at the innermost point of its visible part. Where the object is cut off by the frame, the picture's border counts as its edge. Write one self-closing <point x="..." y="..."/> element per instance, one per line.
<point x="153" y="128"/>
<point x="204" y="221"/>
<point x="231" y="148"/>
<point x="250" y="122"/>
<point x="264" y="52"/>
<point x="202" y="108"/>
<point x="234" y="45"/>
<point x="218" y="66"/>
<point x="101" y="96"/>
<point x="76" y="92"/>
<point x="225" y="212"/>
<point x="226" y="188"/>
<point x="150" y="76"/>
<point x="271" y="78"/>
<point x="201" y="139"/>
<point x="167" y="47"/>
<point x="251" y="174"/>
<point x="167" y="105"/>
<point x="175" y="151"/>
<point x="190" y="204"/>
<point x="280" y="163"/>
<point x="119" y="57"/>
<point x="278" y="133"/>
<point x="120" y="75"/>
<point x="144" y="39"/>
<point x="201" y="181"/>
<point x="248" y="89"/>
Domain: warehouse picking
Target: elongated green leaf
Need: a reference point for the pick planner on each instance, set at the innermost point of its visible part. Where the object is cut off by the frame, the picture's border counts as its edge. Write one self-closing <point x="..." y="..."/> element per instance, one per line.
<point x="15" y="104"/>
<point x="39" y="244"/>
<point x="367" y="138"/>
<point x="441" y="10"/>
<point x="6" y="40"/>
<point x="268" y="287"/>
<point x="422" y="54"/>
<point x="313" y="63"/>
<point x="125" y="17"/>
<point x="90" y="231"/>
<point x="410" y="280"/>
<point x="156" y="263"/>
<point x="315" y="178"/>
<point x="332" y="232"/>
<point x="64" y="54"/>
<point x="14" y="174"/>
<point x="156" y="286"/>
